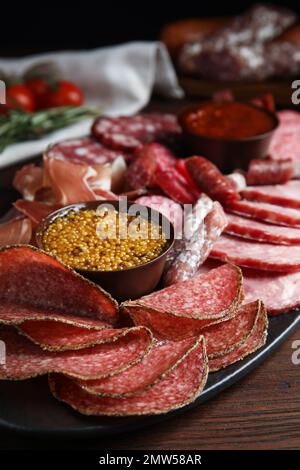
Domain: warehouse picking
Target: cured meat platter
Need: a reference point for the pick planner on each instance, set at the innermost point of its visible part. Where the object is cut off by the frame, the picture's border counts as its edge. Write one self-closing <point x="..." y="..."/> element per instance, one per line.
<point x="28" y="408"/>
<point x="141" y="277"/>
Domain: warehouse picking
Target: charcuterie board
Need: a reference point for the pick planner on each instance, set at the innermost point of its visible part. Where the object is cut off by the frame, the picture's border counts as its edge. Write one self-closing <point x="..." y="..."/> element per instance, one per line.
<point x="29" y="408"/>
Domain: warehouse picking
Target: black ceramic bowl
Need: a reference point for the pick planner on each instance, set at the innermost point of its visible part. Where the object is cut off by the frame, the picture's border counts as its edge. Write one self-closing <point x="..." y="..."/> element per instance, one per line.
<point x="130" y="283"/>
<point x="227" y="154"/>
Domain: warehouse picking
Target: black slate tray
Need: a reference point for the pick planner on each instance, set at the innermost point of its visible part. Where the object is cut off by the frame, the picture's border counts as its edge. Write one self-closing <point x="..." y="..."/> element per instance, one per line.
<point x="29" y="408"/>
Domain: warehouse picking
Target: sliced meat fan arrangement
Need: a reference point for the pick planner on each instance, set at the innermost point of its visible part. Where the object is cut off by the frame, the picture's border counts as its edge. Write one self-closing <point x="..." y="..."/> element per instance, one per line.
<point x="235" y="258"/>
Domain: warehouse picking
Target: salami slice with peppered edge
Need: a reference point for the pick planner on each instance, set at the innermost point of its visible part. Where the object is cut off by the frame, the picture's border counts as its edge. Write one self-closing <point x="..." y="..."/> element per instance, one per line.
<point x="268" y="171"/>
<point x="36" y="286"/>
<point x="58" y="336"/>
<point x="210" y="180"/>
<point x="25" y="359"/>
<point x="261" y="231"/>
<point x="278" y="291"/>
<point x="286" y="195"/>
<point x="256" y="255"/>
<point x="183" y="309"/>
<point x="84" y="150"/>
<point x="266" y="212"/>
<point x="255" y="340"/>
<point x="178" y="387"/>
<point x="162" y="357"/>
<point x="223" y="338"/>
<point x="128" y="133"/>
<point x="197" y="247"/>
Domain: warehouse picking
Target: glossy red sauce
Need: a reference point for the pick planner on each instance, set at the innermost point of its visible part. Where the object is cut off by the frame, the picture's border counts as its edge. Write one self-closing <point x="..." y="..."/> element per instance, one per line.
<point x="232" y="120"/>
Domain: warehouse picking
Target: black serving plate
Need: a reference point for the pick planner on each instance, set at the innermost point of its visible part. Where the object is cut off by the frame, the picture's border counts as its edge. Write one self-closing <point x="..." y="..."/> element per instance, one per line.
<point x="29" y="408"/>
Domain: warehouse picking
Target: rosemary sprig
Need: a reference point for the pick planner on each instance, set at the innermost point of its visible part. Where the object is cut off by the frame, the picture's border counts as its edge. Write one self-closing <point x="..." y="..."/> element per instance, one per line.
<point x="18" y="126"/>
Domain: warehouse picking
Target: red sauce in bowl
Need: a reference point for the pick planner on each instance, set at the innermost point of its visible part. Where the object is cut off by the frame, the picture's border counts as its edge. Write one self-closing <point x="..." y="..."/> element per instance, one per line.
<point x="232" y="120"/>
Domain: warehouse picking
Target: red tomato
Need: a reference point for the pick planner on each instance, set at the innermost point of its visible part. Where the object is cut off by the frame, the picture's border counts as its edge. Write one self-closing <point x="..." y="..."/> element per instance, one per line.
<point x="65" y="94"/>
<point x="40" y="89"/>
<point x="20" y="97"/>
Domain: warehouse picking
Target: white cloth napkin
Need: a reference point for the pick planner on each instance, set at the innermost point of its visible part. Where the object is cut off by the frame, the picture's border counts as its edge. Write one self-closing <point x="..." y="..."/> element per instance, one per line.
<point x="119" y="80"/>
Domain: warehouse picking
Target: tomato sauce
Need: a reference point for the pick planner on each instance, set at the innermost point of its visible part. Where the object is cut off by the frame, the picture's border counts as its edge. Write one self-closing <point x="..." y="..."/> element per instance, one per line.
<point x="232" y="120"/>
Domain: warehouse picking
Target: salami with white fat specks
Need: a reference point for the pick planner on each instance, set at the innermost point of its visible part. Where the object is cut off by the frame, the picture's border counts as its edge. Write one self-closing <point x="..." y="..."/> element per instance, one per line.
<point x="286" y="195"/>
<point x="59" y="336"/>
<point x="198" y="247"/>
<point x="262" y="231"/>
<point x="183" y="309"/>
<point x="255" y="340"/>
<point x="178" y="387"/>
<point x="25" y="359"/>
<point x="85" y="150"/>
<point x="36" y="286"/>
<point x="128" y="133"/>
<point x="278" y="291"/>
<point x="228" y="335"/>
<point x="251" y="254"/>
<point x="162" y="357"/>
<point x="266" y="212"/>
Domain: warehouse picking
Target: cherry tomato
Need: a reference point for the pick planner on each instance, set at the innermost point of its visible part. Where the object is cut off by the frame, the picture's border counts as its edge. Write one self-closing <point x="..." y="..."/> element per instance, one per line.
<point x="65" y="94"/>
<point x="40" y="89"/>
<point x="20" y="97"/>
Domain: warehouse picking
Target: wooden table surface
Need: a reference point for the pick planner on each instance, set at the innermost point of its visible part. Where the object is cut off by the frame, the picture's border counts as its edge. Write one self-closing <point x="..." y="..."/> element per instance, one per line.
<point x="262" y="411"/>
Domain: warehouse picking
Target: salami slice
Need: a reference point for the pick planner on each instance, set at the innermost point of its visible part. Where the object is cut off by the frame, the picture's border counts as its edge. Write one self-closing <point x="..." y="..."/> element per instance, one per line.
<point x="278" y="291"/>
<point x="85" y="150"/>
<point x="25" y="359"/>
<point x="266" y="212"/>
<point x="128" y="133"/>
<point x="183" y="309"/>
<point x="261" y="231"/>
<point x="197" y="247"/>
<point x="256" y="255"/>
<point x="286" y="138"/>
<point x="178" y="387"/>
<point x="223" y="338"/>
<point x="166" y="206"/>
<point x="162" y="357"/>
<point x="268" y="171"/>
<point x="254" y="341"/>
<point x="59" y="336"/>
<point x="286" y="195"/>
<point x="34" y="285"/>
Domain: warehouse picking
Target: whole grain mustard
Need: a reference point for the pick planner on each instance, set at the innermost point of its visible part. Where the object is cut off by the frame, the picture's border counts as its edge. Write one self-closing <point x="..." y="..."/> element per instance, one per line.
<point x="106" y="240"/>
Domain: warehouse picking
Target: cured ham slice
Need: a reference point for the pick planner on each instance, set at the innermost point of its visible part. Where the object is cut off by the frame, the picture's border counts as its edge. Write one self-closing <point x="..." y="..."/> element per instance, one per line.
<point x="286" y="195"/>
<point x="36" y="211"/>
<point x="261" y="231"/>
<point x="178" y="387"/>
<point x="28" y="181"/>
<point x="256" y="255"/>
<point x="15" y="231"/>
